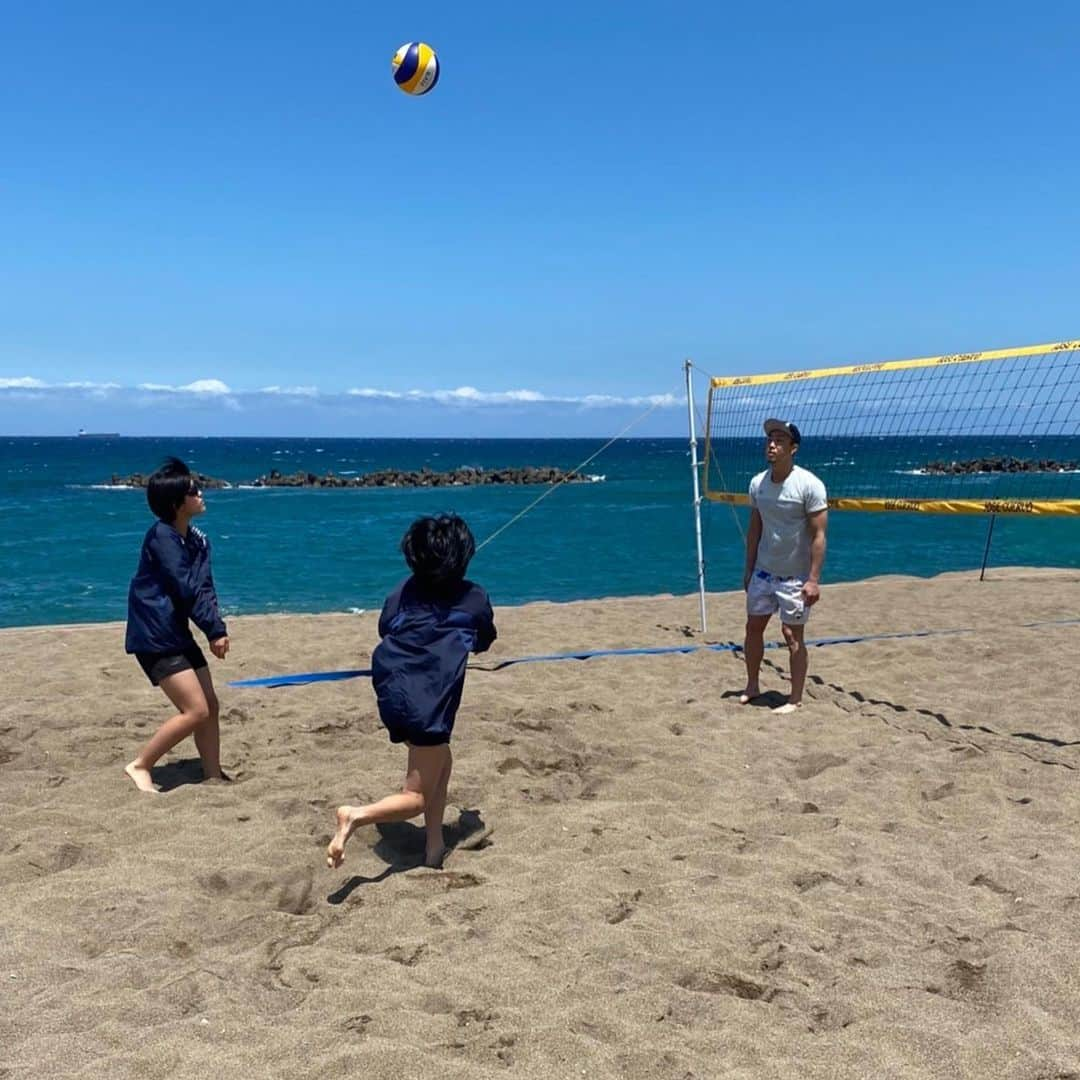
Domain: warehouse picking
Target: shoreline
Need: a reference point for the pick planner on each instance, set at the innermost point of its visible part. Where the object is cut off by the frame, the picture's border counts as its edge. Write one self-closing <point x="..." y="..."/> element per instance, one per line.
<point x="993" y="574"/>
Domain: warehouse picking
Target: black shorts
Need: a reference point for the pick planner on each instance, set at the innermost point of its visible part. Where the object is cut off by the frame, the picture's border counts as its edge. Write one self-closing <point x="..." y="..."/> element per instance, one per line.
<point x="160" y="666"/>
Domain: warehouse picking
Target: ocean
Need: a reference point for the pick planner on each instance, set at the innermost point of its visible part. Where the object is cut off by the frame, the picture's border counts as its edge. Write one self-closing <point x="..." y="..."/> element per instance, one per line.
<point x="69" y="544"/>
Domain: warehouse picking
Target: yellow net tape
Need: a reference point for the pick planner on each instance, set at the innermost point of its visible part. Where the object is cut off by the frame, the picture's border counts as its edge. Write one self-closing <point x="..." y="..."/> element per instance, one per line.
<point x="1059" y="507"/>
<point x="897" y="365"/>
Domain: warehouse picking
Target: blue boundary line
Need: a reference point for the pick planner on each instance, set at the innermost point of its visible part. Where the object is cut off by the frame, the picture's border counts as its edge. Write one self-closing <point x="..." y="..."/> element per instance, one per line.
<point x="655" y="650"/>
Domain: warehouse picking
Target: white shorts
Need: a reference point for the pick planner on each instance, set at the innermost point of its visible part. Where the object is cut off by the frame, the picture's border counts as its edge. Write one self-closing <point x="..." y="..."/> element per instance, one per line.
<point x="768" y="594"/>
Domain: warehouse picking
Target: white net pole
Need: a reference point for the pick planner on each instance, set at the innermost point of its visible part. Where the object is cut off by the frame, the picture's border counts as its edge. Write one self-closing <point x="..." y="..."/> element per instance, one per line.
<point x="697" y="492"/>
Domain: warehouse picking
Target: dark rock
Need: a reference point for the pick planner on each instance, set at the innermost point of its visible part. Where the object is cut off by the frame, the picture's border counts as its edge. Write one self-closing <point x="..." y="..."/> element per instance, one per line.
<point x="997" y="465"/>
<point x="139" y="480"/>
<point x="425" y="477"/>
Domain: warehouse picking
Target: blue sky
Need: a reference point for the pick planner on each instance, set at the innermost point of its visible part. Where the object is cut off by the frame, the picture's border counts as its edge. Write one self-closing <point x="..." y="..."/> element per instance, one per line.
<point x="226" y="219"/>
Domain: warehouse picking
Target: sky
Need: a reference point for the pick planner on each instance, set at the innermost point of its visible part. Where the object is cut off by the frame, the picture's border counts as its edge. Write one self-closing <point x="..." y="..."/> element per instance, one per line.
<point x="228" y="220"/>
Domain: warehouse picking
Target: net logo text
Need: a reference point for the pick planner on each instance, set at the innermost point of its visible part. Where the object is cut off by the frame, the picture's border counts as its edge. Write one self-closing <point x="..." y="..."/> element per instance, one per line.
<point x="959" y="358"/>
<point x="1008" y="506"/>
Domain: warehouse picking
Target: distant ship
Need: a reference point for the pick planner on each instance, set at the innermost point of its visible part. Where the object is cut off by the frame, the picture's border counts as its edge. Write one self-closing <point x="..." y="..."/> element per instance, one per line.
<point x="84" y="434"/>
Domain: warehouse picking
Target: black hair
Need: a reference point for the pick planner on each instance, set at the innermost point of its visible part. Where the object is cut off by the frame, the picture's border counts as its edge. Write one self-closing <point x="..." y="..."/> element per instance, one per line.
<point x="167" y="488"/>
<point x="438" y="549"/>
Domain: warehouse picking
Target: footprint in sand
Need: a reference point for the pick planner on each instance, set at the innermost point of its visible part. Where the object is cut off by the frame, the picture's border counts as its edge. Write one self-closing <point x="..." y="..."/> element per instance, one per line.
<point x="63" y="857"/>
<point x="623" y="908"/>
<point x="294" y="894"/>
<point x="991" y="884"/>
<point x="511" y="764"/>
<point x="483" y="1017"/>
<point x="943" y="791"/>
<point x="712" y="982"/>
<point x="587" y="707"/>
<point x="358" y="1025"/>
<point x="963" y="980"/>
<point x="290" y="893"/>
<point x="446" y="879"/>
<point x="407" y="956"/>
<point x="810" y="765"/>
<point x="829" y="1018"/>
<point x="813" y="878"/>
<point x="538" y="726"/>
<point x="597" y="1030"/>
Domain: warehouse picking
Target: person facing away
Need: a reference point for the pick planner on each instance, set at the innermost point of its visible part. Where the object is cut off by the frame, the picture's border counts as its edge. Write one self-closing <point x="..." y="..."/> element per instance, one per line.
<point x="172" y="585"/>
<point x="785" y="551"/>
<point x="429" y="625"/>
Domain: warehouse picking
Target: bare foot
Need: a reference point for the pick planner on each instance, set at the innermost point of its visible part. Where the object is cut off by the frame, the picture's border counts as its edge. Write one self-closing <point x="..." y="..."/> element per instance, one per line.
<point x="749" y="694"/>
<point x="434" y="859"/>
<point x="347" y="821"/>
<point x="141" y="778"/>
<point x="787" y="708"/>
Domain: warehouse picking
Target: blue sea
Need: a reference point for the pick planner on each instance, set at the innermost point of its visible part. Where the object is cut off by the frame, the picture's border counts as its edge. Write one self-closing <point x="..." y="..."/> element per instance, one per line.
<point x="69" y="545"/>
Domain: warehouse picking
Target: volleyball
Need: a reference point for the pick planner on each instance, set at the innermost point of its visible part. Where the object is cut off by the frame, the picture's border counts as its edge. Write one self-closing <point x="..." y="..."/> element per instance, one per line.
<point x="415" y="67"/>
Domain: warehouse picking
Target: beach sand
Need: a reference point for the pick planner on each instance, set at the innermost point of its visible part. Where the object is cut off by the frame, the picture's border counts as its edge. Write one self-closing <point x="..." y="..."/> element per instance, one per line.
<point x="886" y="884"/>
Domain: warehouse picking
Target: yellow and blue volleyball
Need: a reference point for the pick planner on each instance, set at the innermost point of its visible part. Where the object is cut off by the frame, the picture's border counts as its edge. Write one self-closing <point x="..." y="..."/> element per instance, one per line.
<point x="415" y="67"/>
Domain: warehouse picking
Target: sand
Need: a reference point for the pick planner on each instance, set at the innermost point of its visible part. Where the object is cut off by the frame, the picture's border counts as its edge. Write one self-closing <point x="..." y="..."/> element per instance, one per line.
<point x="886" y="884"/>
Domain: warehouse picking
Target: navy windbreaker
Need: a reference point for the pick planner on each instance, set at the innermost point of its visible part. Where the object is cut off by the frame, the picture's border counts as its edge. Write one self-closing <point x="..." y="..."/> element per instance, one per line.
<point x="418" y="669"/>
<point x="172" y="584"/>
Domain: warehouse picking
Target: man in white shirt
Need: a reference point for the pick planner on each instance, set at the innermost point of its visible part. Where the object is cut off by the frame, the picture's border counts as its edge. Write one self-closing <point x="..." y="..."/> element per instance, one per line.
<point x="785" y="550"/>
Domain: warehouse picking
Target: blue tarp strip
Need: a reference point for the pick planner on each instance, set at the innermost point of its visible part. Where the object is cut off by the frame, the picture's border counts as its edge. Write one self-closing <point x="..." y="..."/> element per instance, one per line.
<point x="656" y="650"/>
<point x="299" y="680"/>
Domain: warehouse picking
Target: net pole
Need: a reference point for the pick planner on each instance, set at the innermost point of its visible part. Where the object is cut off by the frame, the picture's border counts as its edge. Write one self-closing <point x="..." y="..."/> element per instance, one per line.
<point x="986" y="550"/>
<point x="687" y="366"/>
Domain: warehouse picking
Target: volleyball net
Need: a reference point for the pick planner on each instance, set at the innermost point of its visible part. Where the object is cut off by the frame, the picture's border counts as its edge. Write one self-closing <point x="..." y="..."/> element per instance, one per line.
<point x="968" y="433"/>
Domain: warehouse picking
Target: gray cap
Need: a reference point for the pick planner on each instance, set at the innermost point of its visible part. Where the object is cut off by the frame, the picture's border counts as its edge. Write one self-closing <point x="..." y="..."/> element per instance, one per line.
<point x="786" y="426"/>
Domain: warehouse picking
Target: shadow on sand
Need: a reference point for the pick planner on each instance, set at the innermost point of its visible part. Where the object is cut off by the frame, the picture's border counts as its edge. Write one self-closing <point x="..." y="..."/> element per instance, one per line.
<point x="401" y="847"/>
<point x="179" y="773"/>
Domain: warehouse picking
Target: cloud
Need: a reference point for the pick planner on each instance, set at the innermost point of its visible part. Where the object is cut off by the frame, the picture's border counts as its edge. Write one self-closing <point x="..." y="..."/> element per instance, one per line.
<point x="25" y="382"/>
<point x="214" y="390"/>
<point x="470" y="396"/>
<point x="291" y="391"/>
<point x="199" y="386"/>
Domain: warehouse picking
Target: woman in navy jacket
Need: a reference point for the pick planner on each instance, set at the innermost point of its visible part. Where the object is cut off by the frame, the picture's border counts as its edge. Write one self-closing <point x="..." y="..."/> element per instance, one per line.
<point x="172" y="585"/>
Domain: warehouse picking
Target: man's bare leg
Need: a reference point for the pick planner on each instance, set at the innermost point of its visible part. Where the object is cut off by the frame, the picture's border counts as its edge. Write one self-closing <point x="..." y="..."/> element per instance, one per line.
<point x="422" y="774"/>
<point x="753" y="653"/>
<point x="185" y="691"/>
<point x="794" y="636"/>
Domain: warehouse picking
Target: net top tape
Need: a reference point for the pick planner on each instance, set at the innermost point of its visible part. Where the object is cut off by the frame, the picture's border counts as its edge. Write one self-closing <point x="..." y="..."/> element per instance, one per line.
<point x="1053" y="348"/>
